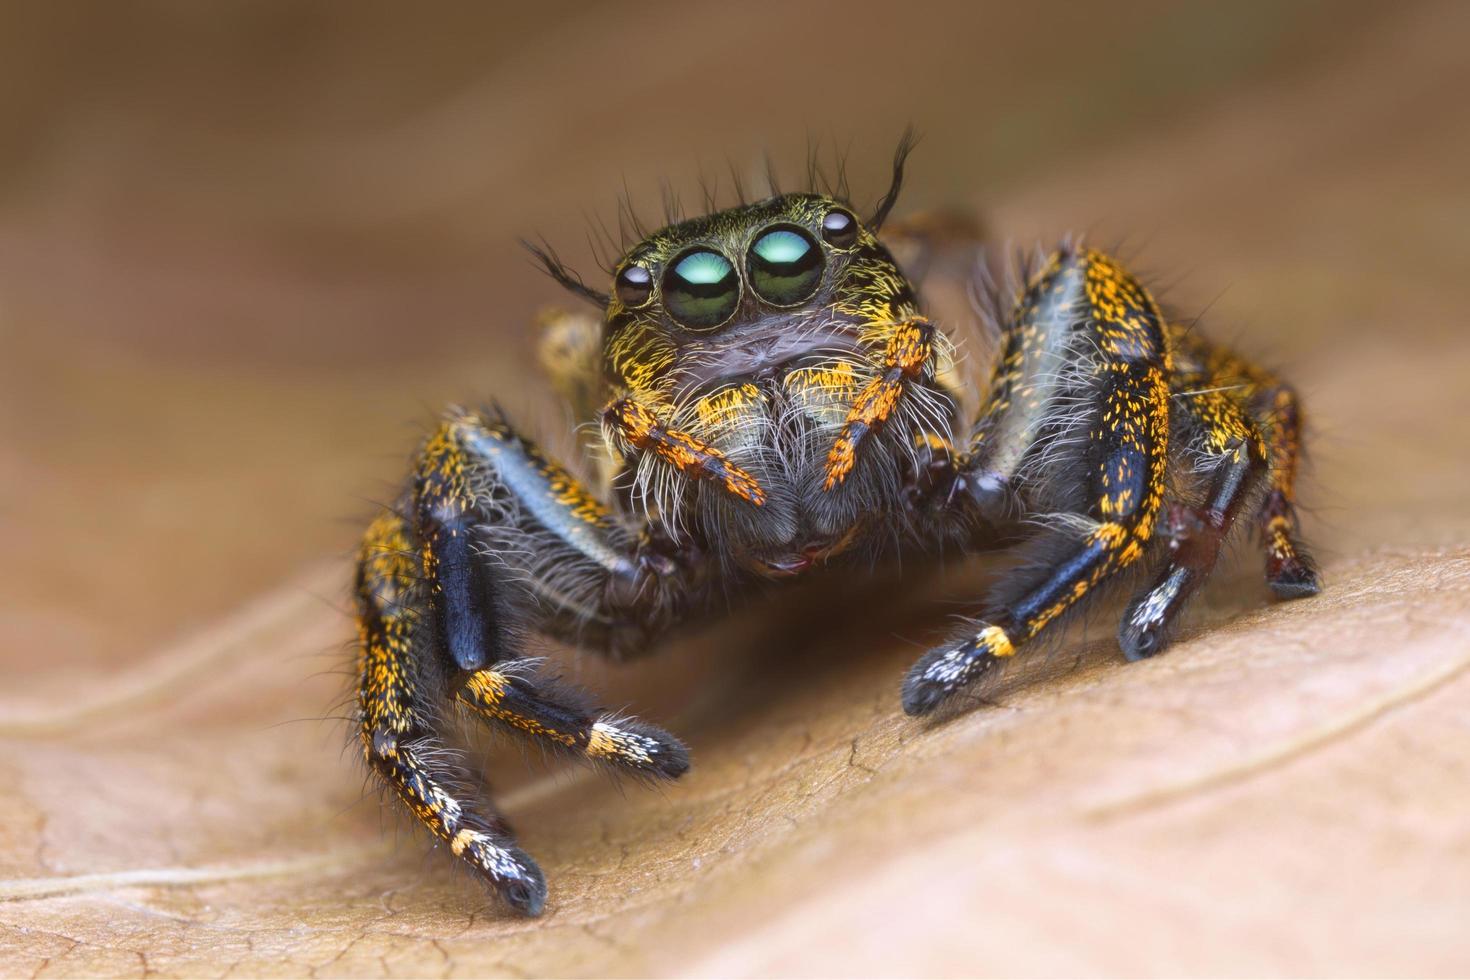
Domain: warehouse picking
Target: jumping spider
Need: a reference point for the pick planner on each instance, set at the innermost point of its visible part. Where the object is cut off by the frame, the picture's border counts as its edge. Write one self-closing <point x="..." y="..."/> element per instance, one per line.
<point x="772" y="399"/>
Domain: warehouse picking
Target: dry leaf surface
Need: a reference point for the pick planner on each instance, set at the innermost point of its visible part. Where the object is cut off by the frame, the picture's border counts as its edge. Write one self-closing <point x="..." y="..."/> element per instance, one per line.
<point x="1284" y="792"/>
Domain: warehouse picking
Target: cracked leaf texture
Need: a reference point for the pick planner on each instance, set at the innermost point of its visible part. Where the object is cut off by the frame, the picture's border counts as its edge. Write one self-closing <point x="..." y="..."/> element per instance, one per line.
<point x="199" y="384"/>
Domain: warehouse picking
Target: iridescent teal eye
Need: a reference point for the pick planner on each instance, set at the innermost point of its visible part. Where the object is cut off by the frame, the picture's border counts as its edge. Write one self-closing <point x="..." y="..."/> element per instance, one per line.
<point x="785" y="266"/>
<point x="701" y="289"/>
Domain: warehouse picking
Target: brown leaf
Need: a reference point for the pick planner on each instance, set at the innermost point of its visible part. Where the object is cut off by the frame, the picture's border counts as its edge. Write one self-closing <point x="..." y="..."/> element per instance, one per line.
<point x="1283" y="792"/>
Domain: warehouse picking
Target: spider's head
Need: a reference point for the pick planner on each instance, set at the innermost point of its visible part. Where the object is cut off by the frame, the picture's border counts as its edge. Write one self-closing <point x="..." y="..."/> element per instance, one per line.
<point x="756" y="262"/>
<point x="741" y="292"/>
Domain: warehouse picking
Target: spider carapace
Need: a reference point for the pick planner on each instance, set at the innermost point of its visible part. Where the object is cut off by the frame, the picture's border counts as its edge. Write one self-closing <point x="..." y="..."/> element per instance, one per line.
<point x="772" y="398"/>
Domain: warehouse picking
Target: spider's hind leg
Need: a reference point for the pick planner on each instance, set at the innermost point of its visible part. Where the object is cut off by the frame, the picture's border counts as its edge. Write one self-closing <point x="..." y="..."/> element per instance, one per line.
<point x="1229" y="446"/>
<point x="1273" y="407"/>
<point x="1290" y="570"/>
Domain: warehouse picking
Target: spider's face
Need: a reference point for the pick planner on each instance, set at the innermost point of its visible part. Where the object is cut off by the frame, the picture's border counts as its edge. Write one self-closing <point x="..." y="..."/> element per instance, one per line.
<point x="739" y="293"/>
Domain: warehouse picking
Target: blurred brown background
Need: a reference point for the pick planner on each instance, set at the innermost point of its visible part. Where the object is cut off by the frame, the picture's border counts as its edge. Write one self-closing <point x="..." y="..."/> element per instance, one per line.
<point x="247" y="249"/>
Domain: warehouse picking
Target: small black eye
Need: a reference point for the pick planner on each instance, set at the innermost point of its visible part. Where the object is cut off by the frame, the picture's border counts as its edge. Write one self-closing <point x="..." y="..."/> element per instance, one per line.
<point x="839" y="228"/>
<point x="634" y="286"/>
<point x="701" y="289"/>
<point x="785" y="266"/>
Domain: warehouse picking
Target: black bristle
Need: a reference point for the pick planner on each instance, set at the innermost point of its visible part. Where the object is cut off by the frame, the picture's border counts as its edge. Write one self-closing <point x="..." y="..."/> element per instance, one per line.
<point x="906" y="145"/>
<point x="569" y="280"/>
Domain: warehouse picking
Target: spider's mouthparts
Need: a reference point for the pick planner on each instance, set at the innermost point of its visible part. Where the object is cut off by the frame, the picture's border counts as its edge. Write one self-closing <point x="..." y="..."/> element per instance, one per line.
<point x="809" y="556"/>
<point x="790" y="565"/>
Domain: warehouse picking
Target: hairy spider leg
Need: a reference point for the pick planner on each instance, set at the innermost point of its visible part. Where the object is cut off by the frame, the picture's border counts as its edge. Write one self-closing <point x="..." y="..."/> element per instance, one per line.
<point x="1100" y="420"/>
<point x="511" y="695"/>
<point x="1290" y="571"/>
<point x="497" y="517"/>
<point x="514" y="521"/>
<point x="1036" y="389"/>
<point x="1276" y="410"/>
<point x="397" y="720"/>
<point x="498" y="541"/>
<point x="1227" y="445"/>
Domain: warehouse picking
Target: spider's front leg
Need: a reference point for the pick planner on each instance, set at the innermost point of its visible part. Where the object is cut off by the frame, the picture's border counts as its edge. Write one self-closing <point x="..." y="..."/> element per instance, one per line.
<point x="497" y="541"/>
<point x="1076" y="426"/>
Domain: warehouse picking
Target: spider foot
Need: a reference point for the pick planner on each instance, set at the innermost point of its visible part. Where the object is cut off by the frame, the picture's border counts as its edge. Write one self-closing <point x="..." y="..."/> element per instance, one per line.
<point x="945" y="670"/>
<point x="1294" y="579"/>
<point x="476" y="835"/>
<point x="512" y="695"/>
<point x="1290" y="571"/>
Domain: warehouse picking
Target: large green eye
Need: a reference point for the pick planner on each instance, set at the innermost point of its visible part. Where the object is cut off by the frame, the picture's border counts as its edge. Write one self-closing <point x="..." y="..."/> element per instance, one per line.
<point x="785" y="266"/>
<point x="701" y="289"/>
